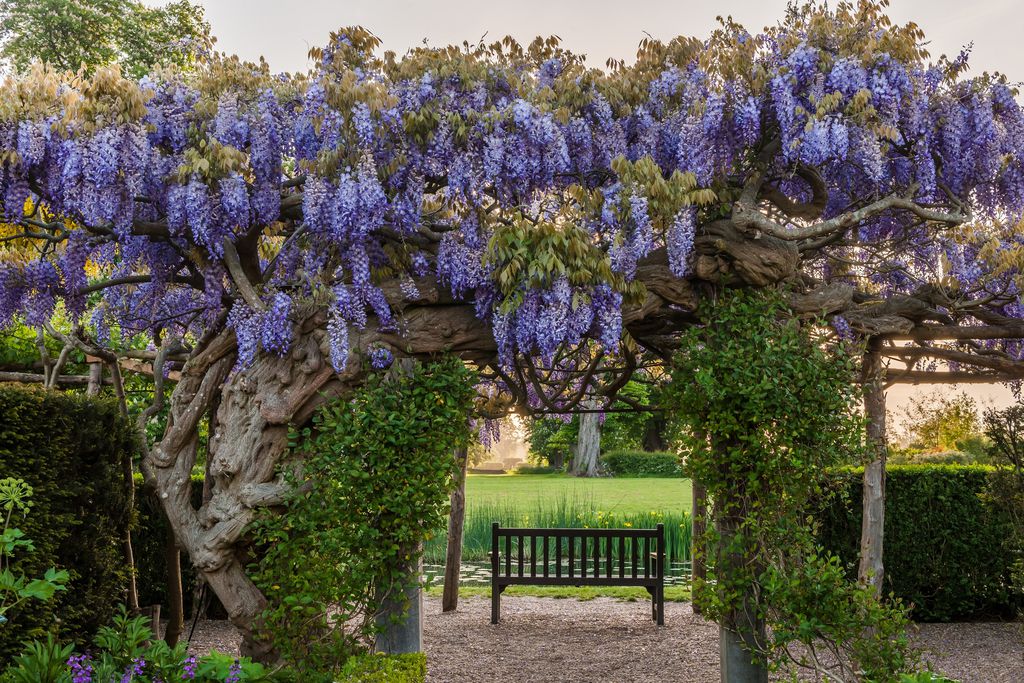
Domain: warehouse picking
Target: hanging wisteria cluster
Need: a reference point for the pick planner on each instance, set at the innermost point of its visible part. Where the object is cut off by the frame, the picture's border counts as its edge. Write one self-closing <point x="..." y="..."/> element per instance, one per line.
<point x="234" y="196"/>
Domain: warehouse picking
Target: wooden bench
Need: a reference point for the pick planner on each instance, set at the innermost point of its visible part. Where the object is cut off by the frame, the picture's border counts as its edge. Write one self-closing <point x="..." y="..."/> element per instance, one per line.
<point x="579" y="557"/>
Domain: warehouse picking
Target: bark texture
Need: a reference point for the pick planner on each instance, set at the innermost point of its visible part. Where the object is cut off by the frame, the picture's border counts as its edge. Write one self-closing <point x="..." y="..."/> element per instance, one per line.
<point x="872" y="570"/>
<point x="588" y="443"/>
<point x="698" y="566"/>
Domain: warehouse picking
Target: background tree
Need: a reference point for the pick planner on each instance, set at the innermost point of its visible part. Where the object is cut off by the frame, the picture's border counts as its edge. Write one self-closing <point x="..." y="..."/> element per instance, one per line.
<point x="1005" y="429"/>
<point x="938" y="423"/>
<point x="69" y="34"/>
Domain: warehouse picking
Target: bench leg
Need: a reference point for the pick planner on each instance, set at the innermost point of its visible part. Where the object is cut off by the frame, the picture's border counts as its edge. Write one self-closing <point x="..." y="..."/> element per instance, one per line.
<point x="661" y="605"/>
<point x="495" y="603"/>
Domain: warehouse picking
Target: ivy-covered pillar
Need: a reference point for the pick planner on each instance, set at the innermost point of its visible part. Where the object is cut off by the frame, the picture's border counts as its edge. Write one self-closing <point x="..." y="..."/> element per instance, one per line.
<point x="401" y="615"/>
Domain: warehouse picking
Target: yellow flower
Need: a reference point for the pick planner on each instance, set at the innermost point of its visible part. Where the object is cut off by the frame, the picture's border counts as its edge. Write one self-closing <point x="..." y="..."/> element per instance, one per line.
<point x="628" y="524"/>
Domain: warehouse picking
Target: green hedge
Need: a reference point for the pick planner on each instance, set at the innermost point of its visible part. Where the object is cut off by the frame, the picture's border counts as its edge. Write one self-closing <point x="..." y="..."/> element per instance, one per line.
<point x="641" y="464"/>
<point x="946" y="549"/>
<point x="407" y="668"/>
<point x="70" y="449"/>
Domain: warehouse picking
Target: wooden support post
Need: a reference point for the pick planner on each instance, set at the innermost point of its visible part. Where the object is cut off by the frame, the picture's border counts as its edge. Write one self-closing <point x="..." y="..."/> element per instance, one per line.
<point x="456" y="521"/>
<point x="175" y="597"/>
<point x="401" y="617"/>
<point x="872" y="571"/>
<point x="95" y="377"/>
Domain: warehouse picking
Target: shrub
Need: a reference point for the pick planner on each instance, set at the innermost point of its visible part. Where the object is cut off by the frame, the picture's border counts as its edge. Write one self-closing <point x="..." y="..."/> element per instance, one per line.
<point x="407" y="668"/>
<point x="641" y="464"/>
<point x="71" y="450"/>
<point x="537" y="469"/>
<point x="946" y="540"/>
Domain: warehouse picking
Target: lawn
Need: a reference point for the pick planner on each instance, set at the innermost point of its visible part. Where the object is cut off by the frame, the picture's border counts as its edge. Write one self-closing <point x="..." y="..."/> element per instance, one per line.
<point x="620" y="496"/>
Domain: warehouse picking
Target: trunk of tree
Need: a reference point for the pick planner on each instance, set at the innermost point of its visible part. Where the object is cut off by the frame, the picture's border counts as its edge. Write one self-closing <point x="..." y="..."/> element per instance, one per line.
<point x="654" y="434"/>
<point x="456" y="520"/>
<point x="698" y="567"/>
<point x="256" y="407"/>
<point x="872" y="571"/>
<point x="588" y="442"/>
<point x="175" y="596"/>
<point x="557" y="460"/>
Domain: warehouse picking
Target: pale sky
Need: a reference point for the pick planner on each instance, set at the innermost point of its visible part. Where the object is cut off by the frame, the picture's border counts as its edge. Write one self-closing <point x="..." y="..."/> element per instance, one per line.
<point x="283" y="33"/>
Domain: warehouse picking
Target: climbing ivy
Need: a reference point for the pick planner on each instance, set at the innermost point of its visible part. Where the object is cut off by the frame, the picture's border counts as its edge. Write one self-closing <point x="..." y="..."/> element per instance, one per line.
<point x="370" y="482"/>
<point x="767" y="407"/>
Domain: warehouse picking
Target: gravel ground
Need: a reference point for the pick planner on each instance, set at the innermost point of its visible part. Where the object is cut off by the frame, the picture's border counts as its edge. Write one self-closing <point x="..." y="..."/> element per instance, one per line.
<point x="544" y="640"/>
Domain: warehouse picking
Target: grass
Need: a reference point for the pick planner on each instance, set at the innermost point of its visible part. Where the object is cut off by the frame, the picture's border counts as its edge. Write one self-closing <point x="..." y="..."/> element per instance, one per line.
<point x="624" y="593"/>
<point x="609" y="495"/>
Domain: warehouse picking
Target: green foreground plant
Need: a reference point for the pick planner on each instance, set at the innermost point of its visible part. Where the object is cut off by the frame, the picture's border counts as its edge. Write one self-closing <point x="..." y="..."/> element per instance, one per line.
<point x="765" y="409"/>
<point x="15" y="587"/>
<point x="126" y="650"/>
<point x="369" y="482"/>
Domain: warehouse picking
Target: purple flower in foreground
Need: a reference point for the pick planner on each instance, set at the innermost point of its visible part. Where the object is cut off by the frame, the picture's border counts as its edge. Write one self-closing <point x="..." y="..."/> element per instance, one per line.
<point x="188" y="668"/>
<point x="234" y="673"/>
<point x="81" y="669"/>
<point x="134" y="669"/>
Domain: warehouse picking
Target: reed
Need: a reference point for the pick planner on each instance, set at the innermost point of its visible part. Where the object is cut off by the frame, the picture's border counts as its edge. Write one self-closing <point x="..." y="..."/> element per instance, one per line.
<point x="564" y="512"/>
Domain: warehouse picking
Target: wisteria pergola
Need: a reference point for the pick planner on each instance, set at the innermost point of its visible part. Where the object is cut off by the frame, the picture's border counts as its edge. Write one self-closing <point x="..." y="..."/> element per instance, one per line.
<point x="276" y="237"/>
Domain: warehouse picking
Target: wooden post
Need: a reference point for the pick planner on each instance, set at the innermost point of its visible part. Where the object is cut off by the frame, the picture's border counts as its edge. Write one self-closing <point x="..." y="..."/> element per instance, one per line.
<point x="175" y="597"/>
<point x="698" y="521"/>
<point x="456" y="521"/>
<point x="495" y="568"/>
<point x="95" y="375"/>
<point x="872" y="530"/>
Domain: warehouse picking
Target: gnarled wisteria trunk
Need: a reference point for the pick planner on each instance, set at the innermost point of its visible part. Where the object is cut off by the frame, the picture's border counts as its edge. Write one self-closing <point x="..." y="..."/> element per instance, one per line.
<point x="254" y="409"/>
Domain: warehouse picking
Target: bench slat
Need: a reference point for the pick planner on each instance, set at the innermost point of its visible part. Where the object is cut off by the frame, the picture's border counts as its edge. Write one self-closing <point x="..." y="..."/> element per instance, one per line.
<point x="584" y="564"/>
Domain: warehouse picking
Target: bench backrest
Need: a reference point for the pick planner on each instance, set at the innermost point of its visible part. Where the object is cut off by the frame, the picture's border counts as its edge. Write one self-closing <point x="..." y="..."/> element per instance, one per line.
<point x="556" y="555"/>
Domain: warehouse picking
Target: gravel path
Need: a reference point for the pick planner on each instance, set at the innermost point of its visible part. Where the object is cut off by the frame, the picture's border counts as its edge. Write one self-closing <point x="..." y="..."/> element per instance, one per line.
<point x="544" y="640"/>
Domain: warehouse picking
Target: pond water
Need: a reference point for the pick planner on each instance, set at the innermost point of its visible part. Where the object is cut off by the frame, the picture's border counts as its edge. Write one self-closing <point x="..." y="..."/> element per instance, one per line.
<point x="479" y="573"/>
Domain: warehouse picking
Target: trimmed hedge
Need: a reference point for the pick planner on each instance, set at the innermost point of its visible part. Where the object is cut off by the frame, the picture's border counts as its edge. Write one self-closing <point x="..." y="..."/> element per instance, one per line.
<point x="641" y="464"/>
<point x="407" y="668"/>
<point x="538" y="469"/>
<point x="70" y="449"/>
<point x="947" y="542"/>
